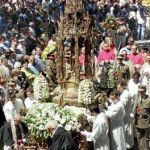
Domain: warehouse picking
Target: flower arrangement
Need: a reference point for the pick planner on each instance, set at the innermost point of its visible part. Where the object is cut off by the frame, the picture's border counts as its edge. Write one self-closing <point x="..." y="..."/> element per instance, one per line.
<point x="110" y="23"/>
<point x="86" y="92"/>
<point x="41" y="88"/>
<point x="41" y="113"/>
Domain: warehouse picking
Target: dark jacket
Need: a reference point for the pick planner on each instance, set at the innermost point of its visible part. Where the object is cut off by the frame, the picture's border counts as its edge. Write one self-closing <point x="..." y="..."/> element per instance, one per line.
<point x="62" y="140"/>
<point x="6" y="133"/>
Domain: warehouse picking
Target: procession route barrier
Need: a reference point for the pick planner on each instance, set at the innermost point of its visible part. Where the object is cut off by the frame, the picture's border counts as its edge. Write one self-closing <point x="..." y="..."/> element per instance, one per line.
<point x="143" y="44"/>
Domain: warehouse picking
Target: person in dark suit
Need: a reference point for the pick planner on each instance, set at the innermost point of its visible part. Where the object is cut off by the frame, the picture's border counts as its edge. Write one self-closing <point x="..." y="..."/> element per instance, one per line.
<point x="60" y="138"/>
<point x="12" y="138"/>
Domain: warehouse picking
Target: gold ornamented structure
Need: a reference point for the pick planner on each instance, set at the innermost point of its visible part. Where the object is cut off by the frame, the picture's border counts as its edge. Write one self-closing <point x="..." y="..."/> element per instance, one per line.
<point x="74" y="28"/>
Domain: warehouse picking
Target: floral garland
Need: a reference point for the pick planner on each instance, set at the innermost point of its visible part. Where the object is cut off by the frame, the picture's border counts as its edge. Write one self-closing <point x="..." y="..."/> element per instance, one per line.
<point x="41" y="113"/>
<point x="86" y="92"/>
<point x="110" y="23"/>
<point x="41" y="88"/>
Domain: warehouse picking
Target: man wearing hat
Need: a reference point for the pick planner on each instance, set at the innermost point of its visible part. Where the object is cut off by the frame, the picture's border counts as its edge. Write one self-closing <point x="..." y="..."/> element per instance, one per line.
<point x="12" y="86"/>
<point x="142" y="118"/>
<point x="51" y="70"/>
<point x="122" y="71"/>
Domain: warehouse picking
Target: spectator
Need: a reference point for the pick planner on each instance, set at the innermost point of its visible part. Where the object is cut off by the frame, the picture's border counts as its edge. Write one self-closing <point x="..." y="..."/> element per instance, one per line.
<point x="29" y="101"/>
<point x="12" y="107"/>
<point x="32" y="66"/>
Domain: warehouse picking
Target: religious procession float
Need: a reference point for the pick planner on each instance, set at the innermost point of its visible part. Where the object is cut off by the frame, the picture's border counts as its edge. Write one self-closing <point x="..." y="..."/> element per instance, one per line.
<point x="68" y="102"/>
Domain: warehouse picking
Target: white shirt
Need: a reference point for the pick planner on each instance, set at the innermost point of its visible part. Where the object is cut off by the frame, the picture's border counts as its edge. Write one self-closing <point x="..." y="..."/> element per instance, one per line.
<point x="10" y="109"/>
<point x="99" y="132"/>
<point x="145" y="68"/>
<point x="140" y="20"/>
<point x="29" y="102"/>
<point x="116" y="113"/>
<point x="22" y="48"/>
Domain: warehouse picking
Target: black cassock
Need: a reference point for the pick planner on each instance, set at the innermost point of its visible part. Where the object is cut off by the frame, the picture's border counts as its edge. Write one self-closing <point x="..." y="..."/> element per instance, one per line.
<point x="6" y="133"/>
<point x="62" y="140"/>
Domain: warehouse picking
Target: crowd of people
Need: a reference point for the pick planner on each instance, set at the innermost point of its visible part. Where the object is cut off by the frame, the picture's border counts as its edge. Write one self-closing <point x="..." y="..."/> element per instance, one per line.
<point x="28" y="48"/>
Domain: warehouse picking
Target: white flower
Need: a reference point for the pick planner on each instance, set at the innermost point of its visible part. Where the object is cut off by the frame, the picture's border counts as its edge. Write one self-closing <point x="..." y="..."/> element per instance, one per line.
<point x="62" y="120"/>
<point x="41" y="113"/>
<point x="57" y="117"/>
<point x="86" y="92"/>
<point x="41" y="127"/>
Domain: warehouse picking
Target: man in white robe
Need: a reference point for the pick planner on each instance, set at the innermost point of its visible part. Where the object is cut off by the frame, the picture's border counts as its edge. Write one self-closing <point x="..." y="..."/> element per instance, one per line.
<point x="145" y="73"/>
<point x="12" y="107"/>
<point x="100" y="129"/>
<point x="133" y="87"/>
<point x="128" y="118"/>
<point x="115" y="114"/>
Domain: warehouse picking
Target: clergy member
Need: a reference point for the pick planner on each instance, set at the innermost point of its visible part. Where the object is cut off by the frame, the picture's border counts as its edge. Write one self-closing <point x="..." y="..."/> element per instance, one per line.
<point x="100" y="129"/>
<point x="106" y="54"/>
<point x="135" y="57"/>
<point x="128" y="118"/>
<point x="61" y="139"/>
<point x="115" y="114"/>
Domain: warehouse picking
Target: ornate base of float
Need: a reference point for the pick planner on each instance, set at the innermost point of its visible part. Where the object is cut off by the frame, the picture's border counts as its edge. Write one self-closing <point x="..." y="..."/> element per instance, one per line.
<point x="34" y="144"/>
<point x="66" y="92"/>
<point x="67" y="95"/>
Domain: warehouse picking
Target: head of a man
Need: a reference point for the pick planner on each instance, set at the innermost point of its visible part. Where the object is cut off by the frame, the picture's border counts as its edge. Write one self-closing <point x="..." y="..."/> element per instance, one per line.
<point x="114" y="95"/>
<point x="121" y="85"/>
<point x="38" y="51"/>
<point x="142" y="91"/>
<point x="29" y="92"/>
<point x="5" y="61"/>
<point x="136" y="77"/>
<point x="15" y="74"/>
<point x="51" y="126"/>
<point x="124" y="55"/>
<point x="12" y="85"/>
<point x="109" y="41"/>
<point x="106" y="47"/>
<point x="31" y="59"/>
<point x="134" y="49"/>
<point x="94" y="109"/>
<point x="12" y="96"/>
<point x="25" y="64"/>
<point x="120" y="59"/>
<point x="17" y="119"/>
<point x="130" y="42"/>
